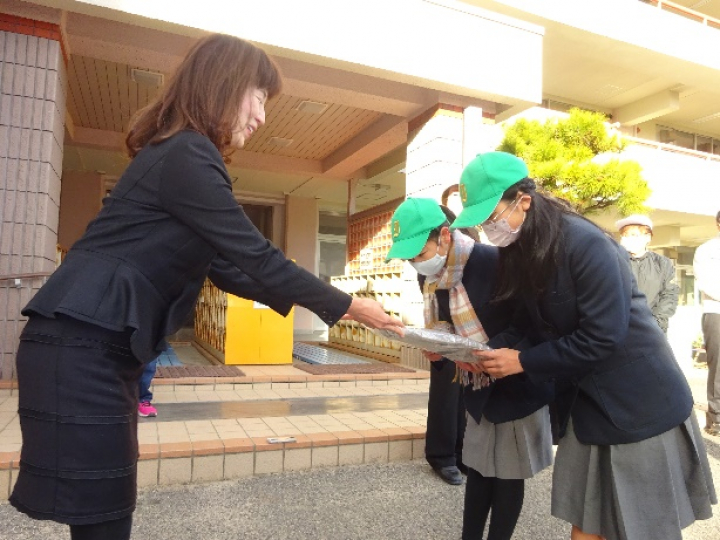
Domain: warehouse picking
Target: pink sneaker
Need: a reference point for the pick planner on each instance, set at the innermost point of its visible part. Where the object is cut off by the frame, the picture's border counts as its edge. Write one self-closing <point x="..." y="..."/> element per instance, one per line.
<point x="146" y="409"/>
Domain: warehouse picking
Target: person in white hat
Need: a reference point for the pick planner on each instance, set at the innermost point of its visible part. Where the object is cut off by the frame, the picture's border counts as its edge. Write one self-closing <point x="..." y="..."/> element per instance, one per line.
<point x="655" y="274"/>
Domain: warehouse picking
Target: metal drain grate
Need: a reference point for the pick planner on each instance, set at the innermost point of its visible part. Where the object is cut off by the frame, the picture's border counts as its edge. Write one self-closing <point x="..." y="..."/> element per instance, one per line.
<point x="320" y="355"/>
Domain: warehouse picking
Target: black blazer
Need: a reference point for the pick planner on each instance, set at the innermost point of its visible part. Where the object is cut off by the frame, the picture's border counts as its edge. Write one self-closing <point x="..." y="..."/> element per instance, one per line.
<point x="170" y="222"/>
<point x="593" y="332"/>
<point x="509" y="398"/>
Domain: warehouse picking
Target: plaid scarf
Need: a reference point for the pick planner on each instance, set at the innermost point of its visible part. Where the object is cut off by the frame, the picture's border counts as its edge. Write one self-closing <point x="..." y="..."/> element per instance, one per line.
<point x="465" y="321"/>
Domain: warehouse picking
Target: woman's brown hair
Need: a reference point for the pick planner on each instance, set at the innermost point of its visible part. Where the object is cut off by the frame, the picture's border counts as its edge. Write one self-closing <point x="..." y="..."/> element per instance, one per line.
<point x="205" y="93"/>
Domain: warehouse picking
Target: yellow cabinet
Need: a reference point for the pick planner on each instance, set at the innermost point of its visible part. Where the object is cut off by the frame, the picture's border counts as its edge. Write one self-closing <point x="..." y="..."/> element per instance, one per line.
<point x="255" y="334"/>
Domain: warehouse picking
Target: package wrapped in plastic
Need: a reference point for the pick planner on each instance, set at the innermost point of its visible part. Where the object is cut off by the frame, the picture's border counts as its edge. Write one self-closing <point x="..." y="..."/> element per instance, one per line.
<point x="452" y="346"/>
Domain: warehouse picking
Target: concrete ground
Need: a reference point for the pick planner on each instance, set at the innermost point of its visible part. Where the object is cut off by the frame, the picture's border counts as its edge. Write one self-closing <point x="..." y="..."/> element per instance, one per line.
<point x="370" y="502"/>
<point x="395" y="501"/>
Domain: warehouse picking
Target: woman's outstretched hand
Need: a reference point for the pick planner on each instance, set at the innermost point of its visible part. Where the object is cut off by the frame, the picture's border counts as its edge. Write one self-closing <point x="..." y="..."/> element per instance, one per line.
<point x="500" y="362"/>
<point x="372" y="314"/>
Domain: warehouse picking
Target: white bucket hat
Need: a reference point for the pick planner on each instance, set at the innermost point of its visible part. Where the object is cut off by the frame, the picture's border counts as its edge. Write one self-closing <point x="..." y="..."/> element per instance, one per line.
<point x="635" y="219"/>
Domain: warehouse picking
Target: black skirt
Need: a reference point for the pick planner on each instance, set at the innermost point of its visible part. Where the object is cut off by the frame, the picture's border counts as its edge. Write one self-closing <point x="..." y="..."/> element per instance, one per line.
<point x="78" y="386"/>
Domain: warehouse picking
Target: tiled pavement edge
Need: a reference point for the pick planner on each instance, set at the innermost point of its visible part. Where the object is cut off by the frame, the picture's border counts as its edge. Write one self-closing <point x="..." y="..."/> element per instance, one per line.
<point x="303" y="380"/>
<point x="199" y="451"/>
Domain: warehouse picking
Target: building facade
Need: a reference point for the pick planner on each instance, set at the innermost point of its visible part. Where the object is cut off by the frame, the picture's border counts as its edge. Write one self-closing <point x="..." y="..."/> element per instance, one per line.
<point x="381" y="100"/>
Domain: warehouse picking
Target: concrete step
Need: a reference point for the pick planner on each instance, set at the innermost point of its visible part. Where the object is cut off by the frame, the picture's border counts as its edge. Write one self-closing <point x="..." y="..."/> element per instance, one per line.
<point x="289" y="381"/>
<point x="218" y="430"/>
<point x="331" y="425"/>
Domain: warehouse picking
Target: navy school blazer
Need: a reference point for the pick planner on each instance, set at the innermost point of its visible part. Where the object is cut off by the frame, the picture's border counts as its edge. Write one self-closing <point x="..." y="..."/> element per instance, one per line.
<point x="509" y="398"/>
<point x="593" y="333"/>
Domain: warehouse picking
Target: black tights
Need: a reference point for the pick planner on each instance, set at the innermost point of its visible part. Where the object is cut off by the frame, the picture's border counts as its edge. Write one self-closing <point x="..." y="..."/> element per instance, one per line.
<point x="118" y="529"/>
<point x="504" y="497"/>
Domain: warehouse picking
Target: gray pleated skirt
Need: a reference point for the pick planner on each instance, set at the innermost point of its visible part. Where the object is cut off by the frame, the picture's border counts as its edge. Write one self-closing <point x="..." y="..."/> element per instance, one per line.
<point x="649" y="489"/>
<point x="512" y="450"/>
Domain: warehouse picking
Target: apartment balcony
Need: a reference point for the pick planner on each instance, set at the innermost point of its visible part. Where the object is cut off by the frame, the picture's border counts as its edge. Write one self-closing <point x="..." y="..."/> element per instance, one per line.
<point x="628" y="58"/>
<point x="685" y="183"/>
<point x="685" y="188"/>
<point x="631" y="26"/>
<point x="684" y="9"/>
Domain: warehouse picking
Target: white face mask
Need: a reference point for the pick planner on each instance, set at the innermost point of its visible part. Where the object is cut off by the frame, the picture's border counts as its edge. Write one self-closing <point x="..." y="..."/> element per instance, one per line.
<point x="431" y="266"/>
<point x="499" y="232"/>
<point x="636" y="245"/>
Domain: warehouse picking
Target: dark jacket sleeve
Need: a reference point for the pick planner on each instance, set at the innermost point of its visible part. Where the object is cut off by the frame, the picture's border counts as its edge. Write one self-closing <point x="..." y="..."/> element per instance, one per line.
<point x="603" y="292"/>
<point x="513" y="337"/>
<point x="229" y="278"/>
<point x="195" y="189"/>
<point x="667" y="300"/>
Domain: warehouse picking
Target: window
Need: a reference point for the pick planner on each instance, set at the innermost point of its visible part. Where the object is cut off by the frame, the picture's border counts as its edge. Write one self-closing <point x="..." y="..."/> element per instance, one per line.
<point x="686" y="282"/>
<point x="331" y="256"/>
<point x="704" y="144"/>
<point x="262" y="217"/>
<point x="676" y="137"/>
<point x="692" y="141"/>
<point x="331" y="244"/>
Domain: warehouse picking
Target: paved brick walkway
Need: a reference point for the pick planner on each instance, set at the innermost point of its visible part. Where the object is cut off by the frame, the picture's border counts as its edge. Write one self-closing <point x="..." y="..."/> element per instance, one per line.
<point x="205" y="433"/>
<point x="197" y="447"/>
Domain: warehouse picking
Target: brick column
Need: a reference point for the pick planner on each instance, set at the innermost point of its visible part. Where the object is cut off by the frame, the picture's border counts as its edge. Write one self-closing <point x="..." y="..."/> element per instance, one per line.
<point x="32" y="113"/>
<point x="441" y="141"/>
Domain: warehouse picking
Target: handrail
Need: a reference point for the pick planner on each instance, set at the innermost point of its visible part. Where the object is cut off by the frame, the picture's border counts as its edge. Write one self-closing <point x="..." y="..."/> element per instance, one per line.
<point x="10" y="277"/>
<point x="672" y="148"/>
<point x="686" y="12"/>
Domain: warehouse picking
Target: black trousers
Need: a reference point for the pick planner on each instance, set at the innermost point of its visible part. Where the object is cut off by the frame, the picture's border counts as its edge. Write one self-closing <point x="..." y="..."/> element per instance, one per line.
<point x="711" y="333"/>
<point x="446" y="417"/>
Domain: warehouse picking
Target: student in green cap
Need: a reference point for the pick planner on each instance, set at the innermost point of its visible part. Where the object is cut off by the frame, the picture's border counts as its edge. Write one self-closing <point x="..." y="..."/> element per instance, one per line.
<point x="631" y="463"/>
<point x="417" y="226"/>
<point x="506" y="440"/>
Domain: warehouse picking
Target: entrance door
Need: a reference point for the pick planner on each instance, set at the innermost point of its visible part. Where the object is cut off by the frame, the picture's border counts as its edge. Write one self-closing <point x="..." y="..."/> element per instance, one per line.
<point x="262" y="217"/>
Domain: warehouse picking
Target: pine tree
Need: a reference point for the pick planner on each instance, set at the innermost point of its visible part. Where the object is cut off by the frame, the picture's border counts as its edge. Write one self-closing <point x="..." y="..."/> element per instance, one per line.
<point x="572" y="159"/>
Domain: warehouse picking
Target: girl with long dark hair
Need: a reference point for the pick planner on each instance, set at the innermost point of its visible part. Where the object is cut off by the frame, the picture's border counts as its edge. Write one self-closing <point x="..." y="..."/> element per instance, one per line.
<point x="631" y="463"/>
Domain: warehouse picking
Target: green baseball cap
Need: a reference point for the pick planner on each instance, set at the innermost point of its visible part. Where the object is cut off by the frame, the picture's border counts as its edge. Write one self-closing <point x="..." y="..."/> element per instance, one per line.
<point x="411" y="225"/>
<point x="483" y="182"/>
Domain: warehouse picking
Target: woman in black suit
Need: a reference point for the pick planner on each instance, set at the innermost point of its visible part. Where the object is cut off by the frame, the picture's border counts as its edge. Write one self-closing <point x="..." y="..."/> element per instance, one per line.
<point x="631" y="463"/>
<point x="133" y="277"/>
